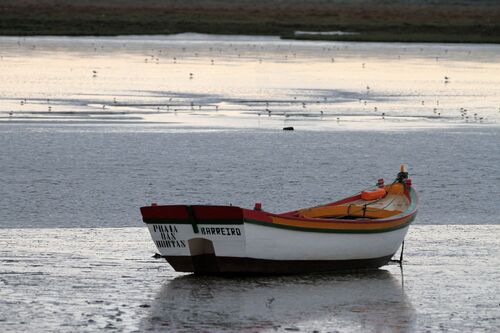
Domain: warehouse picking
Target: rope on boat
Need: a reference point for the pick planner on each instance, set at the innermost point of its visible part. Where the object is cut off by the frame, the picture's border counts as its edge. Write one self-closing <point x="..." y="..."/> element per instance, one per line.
<point x="365" y="206"/>
<point x="400" y="261"/>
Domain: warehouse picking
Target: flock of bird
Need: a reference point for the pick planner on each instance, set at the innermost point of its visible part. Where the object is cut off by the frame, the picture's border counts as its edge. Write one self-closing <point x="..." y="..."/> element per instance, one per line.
<point x="280" y="105"/>
<point x="324" y="107"/>
<point x="278" y="108"/>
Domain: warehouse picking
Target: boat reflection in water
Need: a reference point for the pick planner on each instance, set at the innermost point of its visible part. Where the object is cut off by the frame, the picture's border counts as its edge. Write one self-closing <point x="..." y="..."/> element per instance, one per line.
<point x="371" y="302"/>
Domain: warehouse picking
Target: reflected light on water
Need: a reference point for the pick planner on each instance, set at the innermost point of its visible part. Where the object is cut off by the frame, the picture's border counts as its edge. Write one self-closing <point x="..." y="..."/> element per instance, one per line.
<point x="372" y="302"/>
<point x="249" y="82"/>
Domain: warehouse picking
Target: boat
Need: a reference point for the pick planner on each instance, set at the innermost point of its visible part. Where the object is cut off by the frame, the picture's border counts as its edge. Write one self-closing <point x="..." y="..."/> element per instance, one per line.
<point x="363" y="231"/>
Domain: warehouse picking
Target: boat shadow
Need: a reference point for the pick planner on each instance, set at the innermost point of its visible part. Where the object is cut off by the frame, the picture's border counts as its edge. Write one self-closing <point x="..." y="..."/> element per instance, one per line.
<point x="371" y="301"/>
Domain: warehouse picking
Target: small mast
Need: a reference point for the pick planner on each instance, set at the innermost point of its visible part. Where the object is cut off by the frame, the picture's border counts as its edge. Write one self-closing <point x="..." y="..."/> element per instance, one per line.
<point x="402" y="175"/>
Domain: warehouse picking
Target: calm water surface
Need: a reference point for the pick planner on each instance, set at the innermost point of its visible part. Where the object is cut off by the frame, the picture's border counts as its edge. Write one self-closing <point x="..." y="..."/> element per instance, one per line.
<point x="92" y="176"/>
<point x="198" y="119"/>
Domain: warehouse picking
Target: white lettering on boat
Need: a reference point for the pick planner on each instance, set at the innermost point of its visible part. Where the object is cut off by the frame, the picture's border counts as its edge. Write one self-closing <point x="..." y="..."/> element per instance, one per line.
<point x="225" y="231"/>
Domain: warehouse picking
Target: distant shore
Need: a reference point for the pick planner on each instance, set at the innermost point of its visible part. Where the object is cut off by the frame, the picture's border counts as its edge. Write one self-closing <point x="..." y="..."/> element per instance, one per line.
<point x="458" y="21"/>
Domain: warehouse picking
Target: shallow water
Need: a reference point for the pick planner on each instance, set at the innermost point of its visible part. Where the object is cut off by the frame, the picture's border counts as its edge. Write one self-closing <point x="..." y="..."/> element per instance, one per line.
<point x="70" y="280"/>
<point x="170" y="137"/>
<point x="183" y="119"/>
<point x="201" y="80"/>
<point x="92" y="176"/>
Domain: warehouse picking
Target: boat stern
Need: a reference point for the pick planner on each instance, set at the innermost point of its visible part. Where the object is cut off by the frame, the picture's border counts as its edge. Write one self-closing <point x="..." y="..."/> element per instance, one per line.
<point x="192" y="238"/>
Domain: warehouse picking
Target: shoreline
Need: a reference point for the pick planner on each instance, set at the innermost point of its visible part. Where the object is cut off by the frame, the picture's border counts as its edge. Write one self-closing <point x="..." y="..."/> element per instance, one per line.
<point x="355" y="38"/>
<point x="423" y="21"/>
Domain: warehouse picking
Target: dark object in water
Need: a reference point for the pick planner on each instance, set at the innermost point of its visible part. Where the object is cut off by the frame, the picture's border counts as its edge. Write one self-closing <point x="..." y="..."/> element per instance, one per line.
<point x="288" y="128"/>
<point x="157" y="256"/>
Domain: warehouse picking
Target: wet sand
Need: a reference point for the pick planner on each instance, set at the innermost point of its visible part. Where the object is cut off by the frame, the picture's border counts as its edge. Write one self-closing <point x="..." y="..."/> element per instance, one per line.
<point x="82" y="280"/>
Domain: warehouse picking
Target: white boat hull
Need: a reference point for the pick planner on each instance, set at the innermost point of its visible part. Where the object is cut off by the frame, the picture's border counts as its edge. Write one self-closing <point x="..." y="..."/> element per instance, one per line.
<point x="248" y="247"/>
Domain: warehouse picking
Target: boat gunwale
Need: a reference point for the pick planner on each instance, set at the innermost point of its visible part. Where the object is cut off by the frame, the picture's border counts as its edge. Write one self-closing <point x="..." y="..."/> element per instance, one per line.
<point x="407" y="221"/>
<point x="411" y="210"/>
<point x="264" y="218"/>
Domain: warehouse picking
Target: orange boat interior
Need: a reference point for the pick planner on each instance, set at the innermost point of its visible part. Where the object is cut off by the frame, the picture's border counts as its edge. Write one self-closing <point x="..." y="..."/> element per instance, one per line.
<point x="379" y="203"/>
